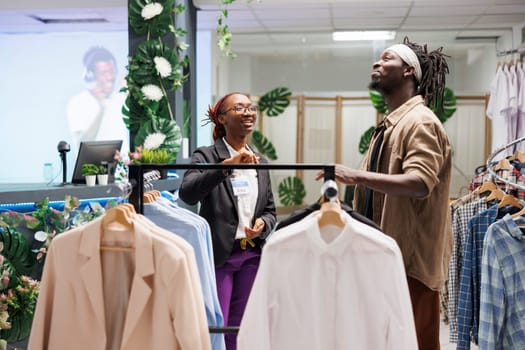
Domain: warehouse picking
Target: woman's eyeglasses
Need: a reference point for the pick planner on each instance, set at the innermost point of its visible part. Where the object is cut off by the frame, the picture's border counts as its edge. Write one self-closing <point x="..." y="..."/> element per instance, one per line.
<point x="241" y="109"/>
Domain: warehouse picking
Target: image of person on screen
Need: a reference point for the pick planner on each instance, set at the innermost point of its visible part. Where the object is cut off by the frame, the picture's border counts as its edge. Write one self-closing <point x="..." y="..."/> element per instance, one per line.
<point x="95" y="113"/>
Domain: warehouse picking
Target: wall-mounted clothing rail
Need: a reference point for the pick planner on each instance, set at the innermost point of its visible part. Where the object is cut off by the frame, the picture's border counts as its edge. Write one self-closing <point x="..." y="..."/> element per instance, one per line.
<point x="520" y="50"/>
<point x="136" y="174"/>
<point x="490" y="163"/>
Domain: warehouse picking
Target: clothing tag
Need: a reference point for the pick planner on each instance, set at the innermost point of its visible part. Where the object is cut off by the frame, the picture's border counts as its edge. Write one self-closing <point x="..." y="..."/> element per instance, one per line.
<point x="240" y="185"/>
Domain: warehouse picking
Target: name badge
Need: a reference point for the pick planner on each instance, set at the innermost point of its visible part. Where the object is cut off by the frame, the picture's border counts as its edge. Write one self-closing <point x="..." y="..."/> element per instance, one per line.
<point x="240" y="185"/>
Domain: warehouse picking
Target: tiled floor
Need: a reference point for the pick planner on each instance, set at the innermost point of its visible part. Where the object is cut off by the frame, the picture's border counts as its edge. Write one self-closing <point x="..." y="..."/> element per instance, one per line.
<point x="444" y="340"/>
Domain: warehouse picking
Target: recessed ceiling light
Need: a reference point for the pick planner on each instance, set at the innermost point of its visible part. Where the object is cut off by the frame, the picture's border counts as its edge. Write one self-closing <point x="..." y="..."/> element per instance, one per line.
<point x="364" y="35"/>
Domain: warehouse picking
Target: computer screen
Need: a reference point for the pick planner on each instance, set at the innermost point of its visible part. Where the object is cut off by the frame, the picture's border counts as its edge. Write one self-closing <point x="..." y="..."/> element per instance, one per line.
<point x="95" y="152"/>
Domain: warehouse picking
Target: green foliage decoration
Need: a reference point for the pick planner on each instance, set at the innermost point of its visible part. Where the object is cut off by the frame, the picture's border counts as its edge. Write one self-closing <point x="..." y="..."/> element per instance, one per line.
<point x="378" y="101"/>
<point x="167" y="127"/>
<point x="364" y="141"/>
<point x="449" y="103"/>
<point x="19" y="259"/>
<point x="291" y="191"/>
<point x="263" y="145"/>
<point x="142" y="68"/>
<point x="274" y="102"/>
<point x="156" y="26"/>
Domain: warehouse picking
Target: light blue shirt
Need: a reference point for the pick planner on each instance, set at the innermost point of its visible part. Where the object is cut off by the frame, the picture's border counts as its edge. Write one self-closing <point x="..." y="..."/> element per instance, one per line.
<point x="192" y="228"/>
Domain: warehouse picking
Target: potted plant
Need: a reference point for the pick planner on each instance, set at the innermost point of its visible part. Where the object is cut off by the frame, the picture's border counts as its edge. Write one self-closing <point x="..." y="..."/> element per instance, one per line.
<point x="90" y="172"/>
<point x="102" y="174"/>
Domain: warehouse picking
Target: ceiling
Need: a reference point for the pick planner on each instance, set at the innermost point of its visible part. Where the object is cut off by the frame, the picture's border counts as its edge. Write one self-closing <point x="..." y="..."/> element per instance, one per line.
<point x="281" y="27"/>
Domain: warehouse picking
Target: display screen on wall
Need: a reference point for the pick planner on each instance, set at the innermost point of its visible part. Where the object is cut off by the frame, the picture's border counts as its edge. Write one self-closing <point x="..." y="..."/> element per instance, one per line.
<point x="58" y="87"/>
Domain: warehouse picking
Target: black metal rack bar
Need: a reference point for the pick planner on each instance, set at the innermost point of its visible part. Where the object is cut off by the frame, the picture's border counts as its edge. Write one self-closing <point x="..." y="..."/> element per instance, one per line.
<point x="136" y="174"/>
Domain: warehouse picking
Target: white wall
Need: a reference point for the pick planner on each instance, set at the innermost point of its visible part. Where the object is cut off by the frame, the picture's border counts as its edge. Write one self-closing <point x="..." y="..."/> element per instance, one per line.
<point x="470" y="73"/>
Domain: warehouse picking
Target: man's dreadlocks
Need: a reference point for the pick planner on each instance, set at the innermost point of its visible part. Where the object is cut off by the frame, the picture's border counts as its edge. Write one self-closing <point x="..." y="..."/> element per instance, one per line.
<point x="434" y="67"/>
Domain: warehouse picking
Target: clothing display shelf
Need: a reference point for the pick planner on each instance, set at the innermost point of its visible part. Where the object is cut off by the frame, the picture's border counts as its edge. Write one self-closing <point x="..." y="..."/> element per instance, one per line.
<point x="490" y="163"/>
<point x="138" y="180"/>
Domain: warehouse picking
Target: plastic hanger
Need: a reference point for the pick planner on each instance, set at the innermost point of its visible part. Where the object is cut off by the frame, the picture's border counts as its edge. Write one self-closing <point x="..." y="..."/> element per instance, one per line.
<point x="122" y="215"/>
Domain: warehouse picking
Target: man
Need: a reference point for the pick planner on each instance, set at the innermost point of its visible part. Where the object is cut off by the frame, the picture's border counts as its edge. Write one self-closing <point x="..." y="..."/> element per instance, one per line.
<point x="404" y="183"/>
<point x="95" y="113"/>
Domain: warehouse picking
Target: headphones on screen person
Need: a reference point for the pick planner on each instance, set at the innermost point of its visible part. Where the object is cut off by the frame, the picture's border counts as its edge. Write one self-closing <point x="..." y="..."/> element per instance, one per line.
<point x="94" y="55"/>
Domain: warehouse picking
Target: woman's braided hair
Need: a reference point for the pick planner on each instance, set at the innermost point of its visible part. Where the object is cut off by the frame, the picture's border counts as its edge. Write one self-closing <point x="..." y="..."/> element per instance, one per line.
<point x="434" y="67"/>
<point x="212" y="116"/>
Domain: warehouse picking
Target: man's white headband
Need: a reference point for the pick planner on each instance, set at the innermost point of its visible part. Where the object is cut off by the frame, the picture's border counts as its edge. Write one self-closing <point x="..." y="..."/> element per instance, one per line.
<point x="409" y="57"/>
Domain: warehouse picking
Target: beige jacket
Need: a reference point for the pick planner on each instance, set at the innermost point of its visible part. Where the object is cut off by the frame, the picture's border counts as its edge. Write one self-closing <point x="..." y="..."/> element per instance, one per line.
<point x="150" y="298"/>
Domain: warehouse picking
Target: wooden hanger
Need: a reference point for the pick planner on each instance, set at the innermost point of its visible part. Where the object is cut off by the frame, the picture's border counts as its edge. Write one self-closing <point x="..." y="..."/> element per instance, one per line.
<point x="122" y="214"/>
<point x="509" y="200"/>
<point x="519" y="213"/>
<point x="151" y="196"/>
<point x="331" y="215"/>
<point x="487" y="186"/>
<point x="496" y="194"/>
<point x="519" y="156"/>
<point x="503" y="164"/>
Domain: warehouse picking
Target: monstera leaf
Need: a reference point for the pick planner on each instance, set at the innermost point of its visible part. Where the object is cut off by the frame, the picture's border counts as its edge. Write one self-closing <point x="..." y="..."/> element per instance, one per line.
<point x="449" y="105"/>
<point x="157" y="25"/>
<point x="134" y="114"/>
<point x="18" y="258"/>
<point x="275" y="101"/>
<point x="166" y="127"/>
<point x="378" y="100"/>
<point x="143" y="66"/>
<point x="291" y="191"/>
<point x="364" y="141"/>
<point x="263" y="145"/>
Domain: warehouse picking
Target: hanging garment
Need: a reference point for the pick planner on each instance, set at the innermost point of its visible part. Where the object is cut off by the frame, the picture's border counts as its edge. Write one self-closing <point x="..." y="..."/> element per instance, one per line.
<point x="161" y="302"/>
<point x="194" y="230"/>
<point x="502" y="301"/>
<point x="460" y="219"/>
<point x="329" y="288"/>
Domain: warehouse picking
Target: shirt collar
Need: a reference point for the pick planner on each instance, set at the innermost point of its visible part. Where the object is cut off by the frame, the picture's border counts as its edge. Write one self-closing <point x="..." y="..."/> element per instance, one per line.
<point x="396" y="115"/>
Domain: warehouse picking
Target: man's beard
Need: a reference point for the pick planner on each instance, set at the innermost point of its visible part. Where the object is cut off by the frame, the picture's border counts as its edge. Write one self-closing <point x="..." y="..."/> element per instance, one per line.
<point x="374" y="84"/>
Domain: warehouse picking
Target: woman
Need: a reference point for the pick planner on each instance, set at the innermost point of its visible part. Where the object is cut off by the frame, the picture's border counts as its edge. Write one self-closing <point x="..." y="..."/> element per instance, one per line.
<point x="238" y="204"/>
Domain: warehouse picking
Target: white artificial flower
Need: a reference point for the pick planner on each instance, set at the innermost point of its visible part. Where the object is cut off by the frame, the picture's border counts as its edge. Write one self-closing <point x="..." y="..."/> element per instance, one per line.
<point x="151" y="10"/>
<point x="162" y="66"/>
<point x="152" y="92"/>
<point x="40" y="236"/>
<point x="154" y="141"/>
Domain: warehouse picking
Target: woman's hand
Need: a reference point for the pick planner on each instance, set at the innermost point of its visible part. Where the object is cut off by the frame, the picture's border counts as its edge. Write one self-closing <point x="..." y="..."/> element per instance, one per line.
<point x="244" y="156"/>
<point x="256" y="230"/>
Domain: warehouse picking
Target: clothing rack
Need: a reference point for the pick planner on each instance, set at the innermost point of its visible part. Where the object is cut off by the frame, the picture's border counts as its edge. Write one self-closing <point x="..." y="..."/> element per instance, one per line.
<point x="136" y="197"/>
<point x="520" y="50"/>
<point x="136" y="174"/>
<point x="490" y="163"/>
